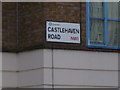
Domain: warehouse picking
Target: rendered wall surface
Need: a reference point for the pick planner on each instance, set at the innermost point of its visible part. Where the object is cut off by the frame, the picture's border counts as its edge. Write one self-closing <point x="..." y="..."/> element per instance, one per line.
<point x="9" y="68"/>
<point x="61" y="68"/>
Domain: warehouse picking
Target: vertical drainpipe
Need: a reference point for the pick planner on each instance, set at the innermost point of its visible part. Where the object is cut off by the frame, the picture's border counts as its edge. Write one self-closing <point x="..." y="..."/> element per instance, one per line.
<point x="52" y="69"/>
<point x="17" y="26"/>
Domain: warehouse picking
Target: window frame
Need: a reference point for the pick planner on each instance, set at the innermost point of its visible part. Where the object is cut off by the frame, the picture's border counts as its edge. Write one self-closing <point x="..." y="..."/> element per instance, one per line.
<point x="105" y="20"/>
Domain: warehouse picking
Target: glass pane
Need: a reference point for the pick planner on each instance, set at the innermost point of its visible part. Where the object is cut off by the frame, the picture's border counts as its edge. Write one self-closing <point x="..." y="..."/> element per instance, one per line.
<point x="113" y="33"/>
<point x="97" y="32"/>
<point x="96" y="9"/>
<point x="113" y="8"/>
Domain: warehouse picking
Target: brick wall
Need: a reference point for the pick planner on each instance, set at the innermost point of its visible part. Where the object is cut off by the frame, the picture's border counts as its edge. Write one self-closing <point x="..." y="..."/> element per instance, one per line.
<point x="29" y="32"/>
<point x="24" y="24"/>
<point x="30" y="25"/>
<point x="9" y="27"/>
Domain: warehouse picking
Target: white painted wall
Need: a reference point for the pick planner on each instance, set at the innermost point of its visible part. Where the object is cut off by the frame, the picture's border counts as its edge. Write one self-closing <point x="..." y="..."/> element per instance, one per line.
<point x="88" y="78"/>
<point x="71" y="69"/>
<point x="85" y="68"/>
<point x="85" y="60"/>
<point x="9" y="61"/>
<point x="9" y="67"/>
<point x="0" y="70"/>
<point x="30" y="59"/>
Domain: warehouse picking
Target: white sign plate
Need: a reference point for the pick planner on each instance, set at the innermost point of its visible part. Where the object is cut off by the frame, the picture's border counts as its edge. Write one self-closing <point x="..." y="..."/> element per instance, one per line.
<point x="62" y="32"/>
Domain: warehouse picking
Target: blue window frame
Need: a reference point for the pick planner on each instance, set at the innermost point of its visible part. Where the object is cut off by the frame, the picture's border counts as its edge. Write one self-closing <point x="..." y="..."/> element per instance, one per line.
<point x="105" y="20"/>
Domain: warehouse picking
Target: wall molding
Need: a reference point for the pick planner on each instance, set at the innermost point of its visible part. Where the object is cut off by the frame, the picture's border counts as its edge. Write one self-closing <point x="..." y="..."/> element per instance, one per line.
<point x="61" y="68"/>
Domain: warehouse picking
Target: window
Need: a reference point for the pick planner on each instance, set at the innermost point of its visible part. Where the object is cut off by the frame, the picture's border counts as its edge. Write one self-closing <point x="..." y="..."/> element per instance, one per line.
<point x="103" y="24"/>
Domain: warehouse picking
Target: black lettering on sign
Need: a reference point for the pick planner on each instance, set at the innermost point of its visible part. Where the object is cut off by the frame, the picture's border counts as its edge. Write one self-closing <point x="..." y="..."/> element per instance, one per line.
<point x="49" y="29"/>
<point x="54" y="36"/>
